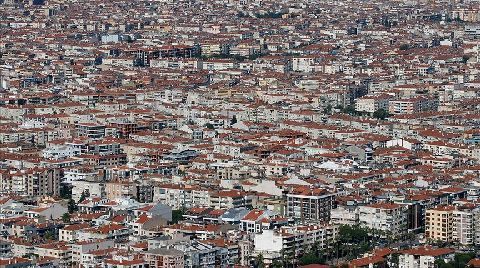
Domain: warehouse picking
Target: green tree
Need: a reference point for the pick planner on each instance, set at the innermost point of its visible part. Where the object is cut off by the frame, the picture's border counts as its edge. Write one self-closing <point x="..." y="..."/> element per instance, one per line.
<point x="72" y="206"/>
<point x="350" y="109"/>
<point x="276" y="264"/>
<point x="177" y="215"/>
<point x="234" y="120"/>
<point x="209" y="126"/>
<point x="48" y="235"/>
<point x="82" y="197"/>
<point x="66" y="217"/>
<point x="404" y="47"/>
<point x="354" y="241"/>
<point x="442" y="264"/>
<point x="393" y="260"/>
<point x="461" y="259"/>
<point x="381" y="114"/>
<point x="310" y="258"/>
<point x="328" y="109"/>
<point x="259" y="262"/>
<point x="270" y="15"/>
<point x="65" y="191"/>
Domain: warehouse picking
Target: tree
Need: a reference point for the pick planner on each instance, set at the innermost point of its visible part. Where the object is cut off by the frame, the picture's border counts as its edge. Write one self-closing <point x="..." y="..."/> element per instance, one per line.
<point x="233" y="121"/>
<point x="276" y="264"/>
<point x="258" y="262"/>
<point x="328" y="109"/>
<point x="270" y="15"/>
<point x="177" y="215"/>
<point x="289" y="256"/>
<point x="393" y="260"/>
<point x="72" y="207"/>
<point x="82" y="197"/>
<point x="48" y="235"/>
<point x="442" y="264"/>
<point x="310" y="258"/>
<point x="404" y="47"/>
<point x="381" y="114"/>
<point x="461" y="259"/>
<point x="209" y="126"/>
<point x="349" y="110"/>
<point x="65" y="191"/>
<point x="354" y="241"/>
<point x="66" y="217"/>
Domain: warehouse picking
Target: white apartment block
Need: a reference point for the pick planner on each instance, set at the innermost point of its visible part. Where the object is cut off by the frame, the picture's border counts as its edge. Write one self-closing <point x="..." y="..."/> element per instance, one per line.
<point x="370" y="104"/>
<point x="344" y="215"/>
<point x="465" y="229"/>
<point x="424" y="257"/>
<point x="384" y="217"/>
<point x="293" y="240"/>
<point x="413" y="105"/>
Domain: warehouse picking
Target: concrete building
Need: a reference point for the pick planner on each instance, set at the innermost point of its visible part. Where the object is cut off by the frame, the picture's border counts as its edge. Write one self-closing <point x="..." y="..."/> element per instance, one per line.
<point x="306" y="204"/>
<point x="372" y="103"/>
<point x="458" y="224"/>
<point x="384" y="217"/>
<point x="424" y="257"/>
<point x="293" y="241"/>
<point x="344" y="215"/>
<point x="413" y="105"/>
<point x="164" y="258"/>
<point x="439" y="223"/>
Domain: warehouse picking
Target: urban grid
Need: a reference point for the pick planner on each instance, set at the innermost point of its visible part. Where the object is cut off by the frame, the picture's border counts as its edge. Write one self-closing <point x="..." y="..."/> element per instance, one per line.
<point x="240" y="133"/>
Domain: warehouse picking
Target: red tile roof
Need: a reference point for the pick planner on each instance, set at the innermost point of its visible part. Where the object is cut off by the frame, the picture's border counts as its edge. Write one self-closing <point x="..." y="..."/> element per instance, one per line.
<point x="429" y="251"/>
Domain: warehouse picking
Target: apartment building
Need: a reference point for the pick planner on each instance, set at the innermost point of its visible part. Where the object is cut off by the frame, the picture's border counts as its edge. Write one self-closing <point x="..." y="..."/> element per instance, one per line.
<point x="69" y="233"/>
<point x="439" y="223"/>
<point x="58" y="250"/>
<point x="466" y="14"/>
<point x="344" y="215"/>
<point x="465" y="225"/>
<point x="304" y="63"/>
<point x="472" y="30"/>
<point x="176" y="63"/>
<point x="306" y="204"/>
<point x="91" y="130"/>
<point x="258" y="220"/>
<point x="179" y="196"/>
<point x="458" y="224"/>
<point x="32" y="182"/>
<point x="100" y="147"/>
<point x="164" y="258"/>
<point x="384" y="217"/>
<point x="81" y="248"/>
<point x="120" y="189"/>
<point x="424" y="257"/>
<point x="218" y="64"/>
<point x="413" y="105"/>
<point x="372" y="103"/>
<point x="230" y="199"/>
<point x="47" y="211"/>
<point x="293" y="241"/>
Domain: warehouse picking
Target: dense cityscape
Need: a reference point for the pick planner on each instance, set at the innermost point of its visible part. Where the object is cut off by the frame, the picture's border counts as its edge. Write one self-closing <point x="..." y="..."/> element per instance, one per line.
<point x="240" y="133"/>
